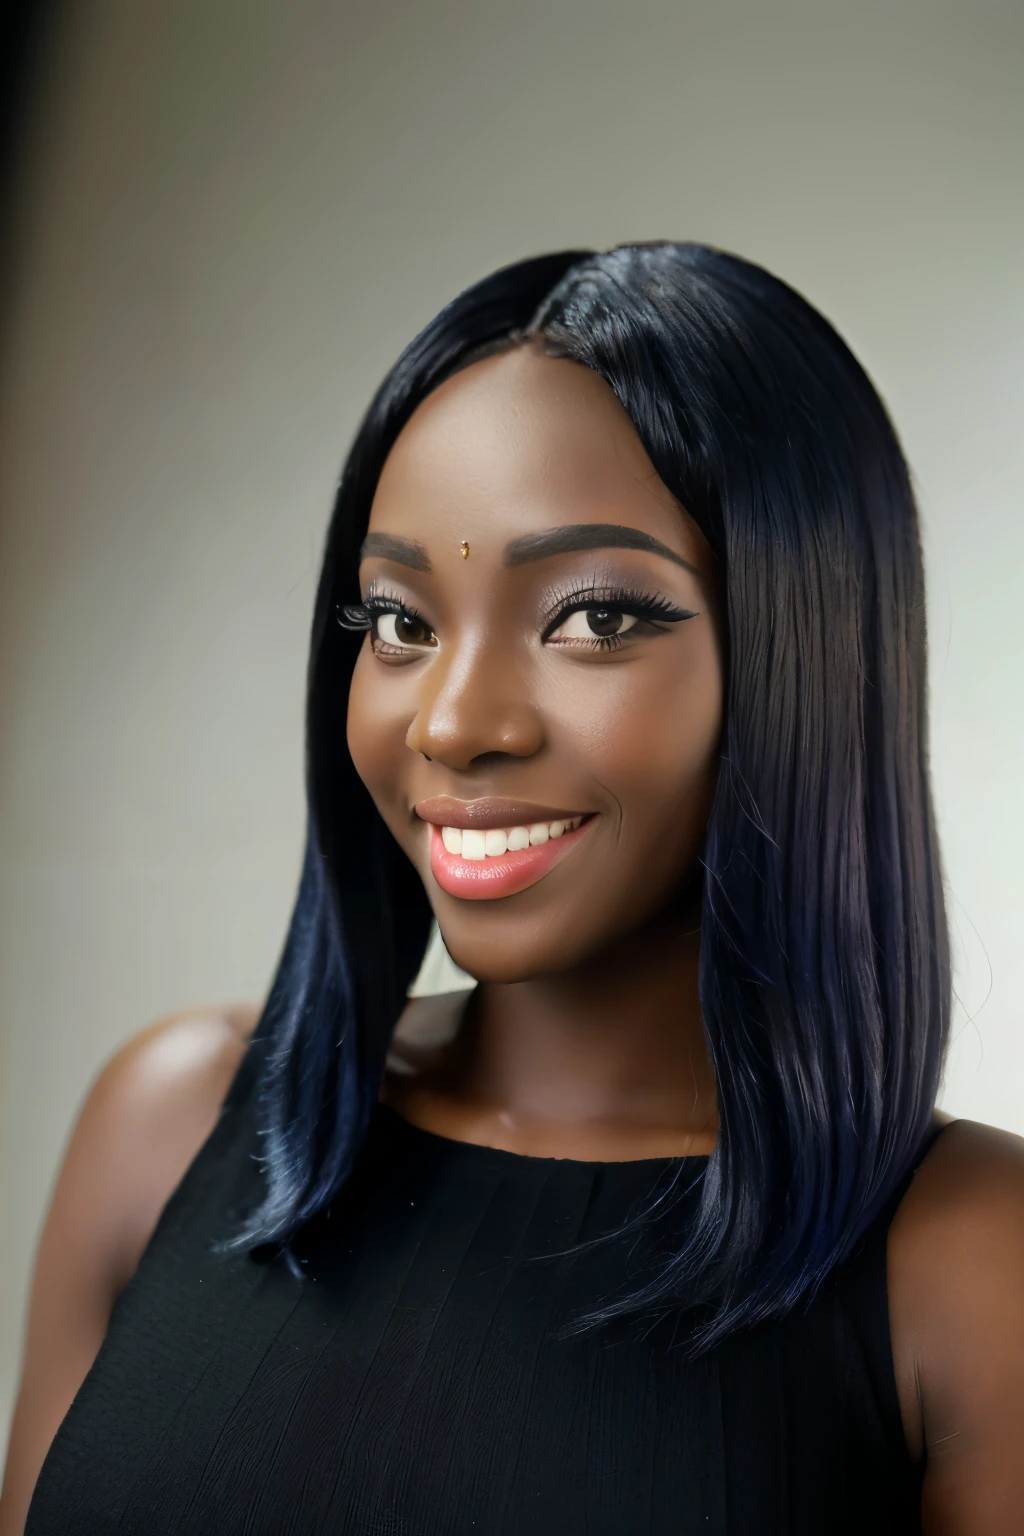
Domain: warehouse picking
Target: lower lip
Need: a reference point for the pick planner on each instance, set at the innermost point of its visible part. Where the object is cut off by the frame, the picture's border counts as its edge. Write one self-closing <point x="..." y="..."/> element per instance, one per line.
<point x="488" y="878"/>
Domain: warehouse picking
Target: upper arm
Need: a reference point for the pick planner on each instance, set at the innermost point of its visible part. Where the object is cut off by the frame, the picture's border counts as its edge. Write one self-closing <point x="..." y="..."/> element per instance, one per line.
<point x="957" y="1310"/>
<point x="142" y="1123"/>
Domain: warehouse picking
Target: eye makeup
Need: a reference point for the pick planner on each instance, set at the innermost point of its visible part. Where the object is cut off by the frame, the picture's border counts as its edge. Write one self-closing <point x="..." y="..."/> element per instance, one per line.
<point x="590" y="595"/>
<point x="376" y="606"/>
<point x="633" y="601"/>
<point x="378" y="600"/>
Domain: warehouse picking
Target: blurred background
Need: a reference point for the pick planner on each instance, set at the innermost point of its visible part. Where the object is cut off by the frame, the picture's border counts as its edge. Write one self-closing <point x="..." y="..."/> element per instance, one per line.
<point x="225" y="219"/>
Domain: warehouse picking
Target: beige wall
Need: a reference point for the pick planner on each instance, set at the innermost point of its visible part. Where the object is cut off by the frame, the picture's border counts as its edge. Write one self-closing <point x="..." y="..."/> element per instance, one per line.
<point x="235" y="216"/>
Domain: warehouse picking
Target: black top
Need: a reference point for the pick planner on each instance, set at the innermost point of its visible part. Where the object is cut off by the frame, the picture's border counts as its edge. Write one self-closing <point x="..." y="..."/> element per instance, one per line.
<point x="414" y="1382"/>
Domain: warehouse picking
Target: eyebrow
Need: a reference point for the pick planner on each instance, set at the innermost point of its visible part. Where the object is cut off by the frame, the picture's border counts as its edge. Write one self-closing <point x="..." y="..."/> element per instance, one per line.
<point x="402" y="551"/>
<point x="578" y="536"/>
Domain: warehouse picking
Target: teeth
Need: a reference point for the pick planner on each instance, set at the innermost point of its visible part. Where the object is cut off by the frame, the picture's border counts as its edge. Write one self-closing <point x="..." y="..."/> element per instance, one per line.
<point x="470" y="844"/>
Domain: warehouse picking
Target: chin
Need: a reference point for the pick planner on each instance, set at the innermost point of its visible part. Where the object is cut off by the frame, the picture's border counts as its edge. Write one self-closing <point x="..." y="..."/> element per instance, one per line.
<point x="498" y="949"/>
<point x="487" y="965"/>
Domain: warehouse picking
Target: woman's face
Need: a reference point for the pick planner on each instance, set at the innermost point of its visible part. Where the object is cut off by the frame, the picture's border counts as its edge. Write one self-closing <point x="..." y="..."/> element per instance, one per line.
<point x="537" y="708"/>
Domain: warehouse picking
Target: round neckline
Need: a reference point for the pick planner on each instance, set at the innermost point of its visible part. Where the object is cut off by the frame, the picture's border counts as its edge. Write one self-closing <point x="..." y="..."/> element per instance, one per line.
<point x="529" y="1159"/>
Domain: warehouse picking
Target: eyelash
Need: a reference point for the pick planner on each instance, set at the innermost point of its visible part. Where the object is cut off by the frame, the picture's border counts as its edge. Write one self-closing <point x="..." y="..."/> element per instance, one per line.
<point x="362" y="616"/>
<point x="631" y="601"/>
<point x="626" y="600"/>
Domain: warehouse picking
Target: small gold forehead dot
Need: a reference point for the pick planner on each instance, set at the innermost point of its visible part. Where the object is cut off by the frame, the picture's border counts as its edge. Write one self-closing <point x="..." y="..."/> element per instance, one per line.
<point x="465" y="550"/>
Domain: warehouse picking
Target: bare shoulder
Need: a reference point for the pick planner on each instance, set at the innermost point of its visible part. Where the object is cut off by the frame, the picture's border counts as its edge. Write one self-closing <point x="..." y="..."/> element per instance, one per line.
<point x="178" y="1071"/>
<point x="956" y="1304"/>
<point x="184" y="1045"/>
<point x="959" y="1230"/>
<point x="972" y="1173"/>
<point x="147" y="1114"/>
<point x="149" y="1111"/>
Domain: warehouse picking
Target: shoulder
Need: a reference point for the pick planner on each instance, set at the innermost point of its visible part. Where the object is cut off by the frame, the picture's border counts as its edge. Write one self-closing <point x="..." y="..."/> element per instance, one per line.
<point x="143" y="1119"/>
<point x="169" y="1079"/>
<point x="148" y="1112"/>
<point x="970" y="1184"/>
<point x="963" y="1211"/>
<point x="956" y="1305"/>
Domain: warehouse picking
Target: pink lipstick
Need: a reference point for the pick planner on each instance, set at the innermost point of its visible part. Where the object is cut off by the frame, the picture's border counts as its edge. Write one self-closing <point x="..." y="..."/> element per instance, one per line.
<point x="484" y="849"/>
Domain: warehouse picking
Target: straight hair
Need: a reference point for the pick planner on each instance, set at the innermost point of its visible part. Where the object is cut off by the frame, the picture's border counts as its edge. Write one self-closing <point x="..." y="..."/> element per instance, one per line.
<point x="824" y="962"/>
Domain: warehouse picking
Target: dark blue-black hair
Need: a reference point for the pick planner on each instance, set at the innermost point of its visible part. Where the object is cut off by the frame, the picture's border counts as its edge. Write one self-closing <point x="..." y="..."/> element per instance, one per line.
<point x="824" y="968"/>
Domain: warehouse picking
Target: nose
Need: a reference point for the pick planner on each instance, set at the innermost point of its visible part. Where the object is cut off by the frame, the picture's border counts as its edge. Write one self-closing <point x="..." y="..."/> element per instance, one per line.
<point x="472" y="709"/>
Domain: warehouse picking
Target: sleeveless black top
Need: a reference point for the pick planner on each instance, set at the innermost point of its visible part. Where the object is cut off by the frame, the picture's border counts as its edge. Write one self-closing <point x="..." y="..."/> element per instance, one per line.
<point x="417" y="1380"/>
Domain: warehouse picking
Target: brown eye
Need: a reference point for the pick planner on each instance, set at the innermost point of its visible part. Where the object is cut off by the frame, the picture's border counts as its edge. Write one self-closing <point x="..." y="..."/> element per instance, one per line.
<point x="604" y="621"/>
<point x="589" y="624"/>
<point x="404" y="629"/>
<point x="411" y="631"/>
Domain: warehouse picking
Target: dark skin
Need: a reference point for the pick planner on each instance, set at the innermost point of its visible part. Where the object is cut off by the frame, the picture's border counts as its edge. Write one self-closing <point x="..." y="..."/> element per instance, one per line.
<point x="583" y="1037"/>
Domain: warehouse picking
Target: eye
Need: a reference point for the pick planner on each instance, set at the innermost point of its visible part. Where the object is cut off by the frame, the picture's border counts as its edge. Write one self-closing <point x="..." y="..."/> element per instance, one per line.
<point x="592" y="618"/>
<point x="402" y="630"/>
<point x="592" y="625"/>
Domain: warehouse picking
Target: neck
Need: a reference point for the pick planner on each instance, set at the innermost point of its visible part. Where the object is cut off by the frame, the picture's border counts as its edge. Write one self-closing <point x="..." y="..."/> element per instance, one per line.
<point x="613" y="1048"/>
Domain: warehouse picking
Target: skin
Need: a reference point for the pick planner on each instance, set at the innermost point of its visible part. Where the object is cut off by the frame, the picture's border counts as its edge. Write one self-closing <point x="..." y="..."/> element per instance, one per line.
<point x="503" y="451"/>
<point x="146" y="1116"/>
<point x="583" y="1037"/>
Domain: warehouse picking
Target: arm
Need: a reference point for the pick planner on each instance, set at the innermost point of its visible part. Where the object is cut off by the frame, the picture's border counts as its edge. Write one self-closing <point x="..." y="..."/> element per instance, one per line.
<point x="956" y="1299"/>
<point x="146" y="1117"/>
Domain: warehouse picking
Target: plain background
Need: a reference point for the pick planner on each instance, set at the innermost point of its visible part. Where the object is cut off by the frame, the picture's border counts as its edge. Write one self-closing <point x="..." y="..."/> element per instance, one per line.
<point x="233" y="217"/>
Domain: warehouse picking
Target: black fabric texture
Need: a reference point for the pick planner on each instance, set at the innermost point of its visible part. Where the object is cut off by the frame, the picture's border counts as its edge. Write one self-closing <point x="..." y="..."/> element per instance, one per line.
<point x="413" y="1382"/>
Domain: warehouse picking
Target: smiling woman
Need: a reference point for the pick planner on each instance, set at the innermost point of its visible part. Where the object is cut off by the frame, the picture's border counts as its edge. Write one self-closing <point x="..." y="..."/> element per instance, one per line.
<point x="618" y="672"/>
<point x="538" y="667"/>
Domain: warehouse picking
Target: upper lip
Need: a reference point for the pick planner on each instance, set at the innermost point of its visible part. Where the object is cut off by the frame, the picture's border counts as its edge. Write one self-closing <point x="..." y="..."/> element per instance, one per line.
<point x="444" y="811"/>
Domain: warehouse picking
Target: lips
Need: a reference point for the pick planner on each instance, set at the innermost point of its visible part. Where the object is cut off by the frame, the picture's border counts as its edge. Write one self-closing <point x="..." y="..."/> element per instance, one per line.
<point x="491" y="813"/>
<point x="481" y="850"/>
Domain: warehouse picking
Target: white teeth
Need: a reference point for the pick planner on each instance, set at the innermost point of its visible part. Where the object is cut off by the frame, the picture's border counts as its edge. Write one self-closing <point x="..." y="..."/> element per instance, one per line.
<point x="452" y="839"/>
<point x="470" y="844"/>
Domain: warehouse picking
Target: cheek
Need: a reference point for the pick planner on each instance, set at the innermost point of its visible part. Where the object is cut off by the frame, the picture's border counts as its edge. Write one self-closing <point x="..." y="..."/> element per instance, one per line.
<point x="651" y="733"/>
<point x="376" y="728"/>
<point x="658" y="758"/>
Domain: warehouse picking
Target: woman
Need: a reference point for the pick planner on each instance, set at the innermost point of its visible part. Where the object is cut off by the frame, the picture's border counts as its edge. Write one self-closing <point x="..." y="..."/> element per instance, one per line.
<point x="618" y="670"/>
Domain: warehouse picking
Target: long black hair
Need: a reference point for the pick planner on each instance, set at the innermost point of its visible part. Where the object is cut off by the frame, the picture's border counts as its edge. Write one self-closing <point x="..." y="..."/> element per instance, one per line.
<point x="824" y="966"/>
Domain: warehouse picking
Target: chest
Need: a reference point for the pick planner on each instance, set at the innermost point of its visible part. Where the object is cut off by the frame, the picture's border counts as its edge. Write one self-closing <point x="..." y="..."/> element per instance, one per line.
<point x="419" y="1380"/>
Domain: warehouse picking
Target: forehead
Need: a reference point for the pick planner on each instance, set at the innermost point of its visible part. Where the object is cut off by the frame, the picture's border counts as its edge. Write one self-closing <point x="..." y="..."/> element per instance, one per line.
<point x="516" y="443"/>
